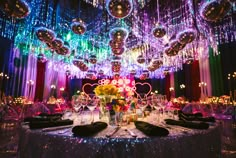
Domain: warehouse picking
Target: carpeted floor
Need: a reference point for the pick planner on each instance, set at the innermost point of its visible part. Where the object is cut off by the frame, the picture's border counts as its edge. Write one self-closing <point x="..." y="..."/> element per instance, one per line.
<point x="9" y="138"/>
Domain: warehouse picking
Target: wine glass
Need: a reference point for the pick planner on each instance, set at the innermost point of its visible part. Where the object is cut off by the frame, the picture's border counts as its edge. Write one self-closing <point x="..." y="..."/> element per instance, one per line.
<point x="92" y="104"/>
<point x="142" y="104"/>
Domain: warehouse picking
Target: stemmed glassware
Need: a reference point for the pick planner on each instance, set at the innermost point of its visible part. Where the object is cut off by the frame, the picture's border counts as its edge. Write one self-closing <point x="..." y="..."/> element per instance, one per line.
<point x="91" y="105"/>
<point x="142" y="104"/>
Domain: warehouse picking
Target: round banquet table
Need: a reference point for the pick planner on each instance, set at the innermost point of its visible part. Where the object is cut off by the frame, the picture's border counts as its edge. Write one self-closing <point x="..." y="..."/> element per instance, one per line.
<point x="180" y="143"/>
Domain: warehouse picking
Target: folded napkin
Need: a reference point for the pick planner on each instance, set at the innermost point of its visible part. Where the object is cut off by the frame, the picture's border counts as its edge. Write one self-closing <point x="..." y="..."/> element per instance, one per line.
<point x="195" y="117"/>
<point x="150" y="129"/>
<point x="51" y="115"/>
<point x="44" y="117"/>
<point x="89" y="130"/>
<point x="45" y="124"/>
<point x="187" y="124"/>
<point x="190" y="115"/>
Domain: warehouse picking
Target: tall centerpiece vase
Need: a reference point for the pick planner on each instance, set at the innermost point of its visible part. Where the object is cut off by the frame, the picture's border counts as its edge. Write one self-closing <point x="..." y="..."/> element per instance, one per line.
<point x="105" y="108"/>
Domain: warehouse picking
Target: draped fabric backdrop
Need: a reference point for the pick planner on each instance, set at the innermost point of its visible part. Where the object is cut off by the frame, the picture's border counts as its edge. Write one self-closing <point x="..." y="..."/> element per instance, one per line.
<point x="179" y="79"/>
<point x="205" y="76"/>
<point x="19" y="70"/>
<point x="192" y="79"/>
<point x="167" y="86"/>
<point x="216" y="73"/>
<point x="53" y="77"/>
<point x="31" y="72"/>
<point x="172" y="84"/>
<point x="40" y="80"/>
<point x="5" y="56"/>
<point x="228" y="60"/>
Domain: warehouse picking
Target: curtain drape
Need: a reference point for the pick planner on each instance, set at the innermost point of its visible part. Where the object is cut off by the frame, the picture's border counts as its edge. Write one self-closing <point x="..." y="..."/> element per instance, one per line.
<point x="228" y="60"/>
<point x="205" y="76"/>
<point x="40" y="79"/>
<point x="5" y="56"/>
<point x="31" y="72"/>
<point x="216" y="73"/>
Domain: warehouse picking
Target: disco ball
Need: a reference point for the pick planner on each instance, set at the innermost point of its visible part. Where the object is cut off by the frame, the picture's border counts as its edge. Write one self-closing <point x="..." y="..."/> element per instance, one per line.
<point x="186" y="36"/>
<point x="170" y="52"/>
<point x="176" y="45"/>
<point x="118" y="51"/>
<point x="159" y="31"/>
<point x="41" y="58"/>
<point x="118" y="34"/>
<point x="119" y="8"/>
<point x="100" y="72"/>
<point x="83" y="67"/>
<point x="140" y="59"/>
<point x="92" y="59"/>
<point x="77" y="61"/>
<point x="157" y="62"/>
<point x="115" y="68"/>
<point x="57" y="44"/>
<point x="116" y="44"/>
<point x="78" y="26"/>
<point x="215" y="10"/>
<point x="151" y="68"/>
<point x="116" y="75"/>
<point x="90" y="74"/>
<point x="45" y="34"/>
<point x="132" y="72"/>
<point x="63" y="50"/>
<point x="15" y="8"/>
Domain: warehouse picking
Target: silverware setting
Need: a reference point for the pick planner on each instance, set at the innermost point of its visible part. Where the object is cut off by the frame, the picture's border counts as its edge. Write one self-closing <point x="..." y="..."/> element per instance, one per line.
<point x="113" y="132"/>
<point x="131" y="132"/>
<point x="56" y="128"/>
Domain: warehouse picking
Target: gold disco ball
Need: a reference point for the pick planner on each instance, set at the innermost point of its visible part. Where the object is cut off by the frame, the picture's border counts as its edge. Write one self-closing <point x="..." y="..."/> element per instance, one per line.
<point x="118" y="51"/>
<point x="186" y="36"/>
<point x="159" y="31"/>
<point x="118" y="34"/>
<point x="45" y="34"/>
<point x="64" y="50"/>
<point x="215" y="10"/>
<point x="15" y="8"/>
<point x="140" y="59"/>
<point x="93" y="59"/>
<point x="170" y="52"/>
<point x="116" y="44"/>
<point x="78" y="26"/>
<point x="57" y="43"/>
<point x="119" y="8"/>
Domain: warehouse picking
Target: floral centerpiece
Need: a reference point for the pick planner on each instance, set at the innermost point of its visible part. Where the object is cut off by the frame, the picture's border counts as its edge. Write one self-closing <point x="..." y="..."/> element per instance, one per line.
<point x="107" y="94"/>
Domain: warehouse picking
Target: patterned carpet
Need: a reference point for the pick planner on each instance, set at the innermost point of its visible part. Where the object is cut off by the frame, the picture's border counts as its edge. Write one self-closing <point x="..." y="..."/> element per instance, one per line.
<point x="9" y="139"/>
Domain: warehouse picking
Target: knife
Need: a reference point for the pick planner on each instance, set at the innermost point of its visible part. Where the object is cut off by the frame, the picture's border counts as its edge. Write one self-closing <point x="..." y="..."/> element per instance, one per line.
<point x="113" y="132"/>
<point x="55" y="128"/>
<point x="130" y="132"/>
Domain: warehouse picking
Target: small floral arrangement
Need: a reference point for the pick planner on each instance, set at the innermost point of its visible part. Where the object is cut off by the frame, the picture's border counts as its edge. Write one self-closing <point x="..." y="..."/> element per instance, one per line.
<point x="107" y="89"/>
<point x="118" y="105"/>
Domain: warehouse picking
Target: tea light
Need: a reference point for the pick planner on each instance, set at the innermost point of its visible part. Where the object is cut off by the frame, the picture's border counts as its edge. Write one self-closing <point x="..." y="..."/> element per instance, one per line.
<point x="133" y="117"/>
<point x="146" y="113"/>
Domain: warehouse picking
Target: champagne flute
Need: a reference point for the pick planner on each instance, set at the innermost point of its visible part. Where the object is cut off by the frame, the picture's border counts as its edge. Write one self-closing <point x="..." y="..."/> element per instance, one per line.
<point x="142" y="104"/>
<point x="92" y="104"/>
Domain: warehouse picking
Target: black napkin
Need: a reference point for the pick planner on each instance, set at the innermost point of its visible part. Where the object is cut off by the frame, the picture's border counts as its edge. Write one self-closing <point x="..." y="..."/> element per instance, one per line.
<point x="44" y="117"/>
<point x="195" y="117"/>
<point x="51" y="115"/>
<point x="190" y="115"/>
<point x="41" y="118"/>
<point x="89" y="130"/>
<point x="193" y="125"/>
<point x="150" y="129"/>
<point x="45" y="124"/>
